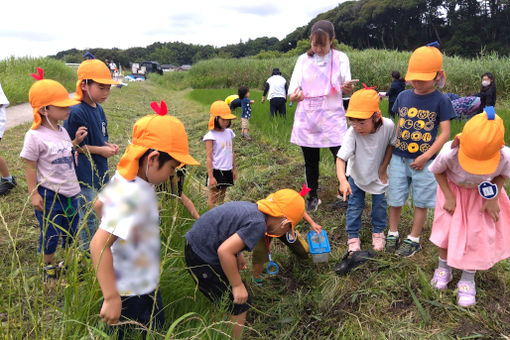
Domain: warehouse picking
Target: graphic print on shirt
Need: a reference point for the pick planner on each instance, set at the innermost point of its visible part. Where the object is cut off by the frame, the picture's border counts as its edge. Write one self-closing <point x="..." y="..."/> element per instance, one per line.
<point x="414" y="129"/>
<point x="62" y="151"/>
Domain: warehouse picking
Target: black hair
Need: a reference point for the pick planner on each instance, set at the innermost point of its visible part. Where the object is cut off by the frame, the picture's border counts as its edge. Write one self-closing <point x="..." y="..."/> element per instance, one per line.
<point x="217" y="123"/>
<point x="491" y="77"/>
<point x="162" y="158"/>
<point x="321" y="31"/>
<point x="395" y="75"/>
<point x="87" y="81"/>
<point x="242" y="91"/>
<point x="377" y="123"/>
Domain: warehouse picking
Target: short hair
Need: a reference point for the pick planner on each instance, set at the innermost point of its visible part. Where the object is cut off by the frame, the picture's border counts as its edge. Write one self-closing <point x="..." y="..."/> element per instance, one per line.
<point x="242" y="91"/>
<point x="162" y="158"/>
<point x="217" y="123"/>
<point x="395" y="75"/>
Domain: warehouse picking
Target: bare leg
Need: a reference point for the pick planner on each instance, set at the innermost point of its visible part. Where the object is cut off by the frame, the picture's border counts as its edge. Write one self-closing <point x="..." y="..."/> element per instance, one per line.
<point x="420" y="214"/>
<point x="48" y="258"/>
<point x="443" y="253"/>
<point x="221" y="195"/>
<point x="212" y="198"/>
<point x="239" y="321"/>
<point x="257" y="270"/>
<point x="394" y="218"/>
<point x="4" y="171"/>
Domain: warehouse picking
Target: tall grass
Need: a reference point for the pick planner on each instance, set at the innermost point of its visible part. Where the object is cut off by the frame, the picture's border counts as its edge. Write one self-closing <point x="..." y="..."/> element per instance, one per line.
<point x="16" y="80"/>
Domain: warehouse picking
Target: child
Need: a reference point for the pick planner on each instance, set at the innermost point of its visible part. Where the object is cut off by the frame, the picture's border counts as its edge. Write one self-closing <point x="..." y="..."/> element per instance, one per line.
<point x="219" y="146"/>
<point x="422" y="111"/>
<point x="125" y="249"/>
<point x="92" y="89"/>
<point x="51" y="179"/>
<point x="215" y="243"/>
<point x="487" y="92"/>
<point x="367" y="146"/>
<point x="244" y="95"/>
<point x="397" y="85"/>
<point x="472" y="208"/>
<point x="7" y="182"/>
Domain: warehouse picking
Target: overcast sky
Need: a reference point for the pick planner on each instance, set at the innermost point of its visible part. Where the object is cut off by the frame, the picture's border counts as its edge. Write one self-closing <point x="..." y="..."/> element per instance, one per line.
<point x="40" y="28"/>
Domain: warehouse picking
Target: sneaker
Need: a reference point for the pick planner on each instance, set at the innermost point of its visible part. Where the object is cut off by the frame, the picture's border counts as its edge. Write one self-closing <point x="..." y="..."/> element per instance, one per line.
<point x="354" y="244"/>
<point x="467" y="293"/>
<point x="50" y="273"/>
<point x="313" y="204"/>
<point x="6" y="186"/>
<point x="258" y="281"/>
<point x="441" y="278"/>
<point x="408" y="248"/>
<point x="378" y="241"/>
<point x="391" y="244"/>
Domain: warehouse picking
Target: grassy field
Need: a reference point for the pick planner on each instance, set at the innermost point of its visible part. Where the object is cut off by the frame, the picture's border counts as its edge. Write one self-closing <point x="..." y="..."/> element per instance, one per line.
<point x="388" y="298"/>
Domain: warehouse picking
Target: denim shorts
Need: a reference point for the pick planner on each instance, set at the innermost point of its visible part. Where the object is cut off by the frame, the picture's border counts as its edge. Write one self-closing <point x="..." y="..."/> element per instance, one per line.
<point x="401" y="178"/>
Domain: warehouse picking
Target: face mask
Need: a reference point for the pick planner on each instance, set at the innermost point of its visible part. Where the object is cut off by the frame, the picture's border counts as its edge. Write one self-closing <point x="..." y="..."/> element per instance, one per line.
<point x="486" y="82"/>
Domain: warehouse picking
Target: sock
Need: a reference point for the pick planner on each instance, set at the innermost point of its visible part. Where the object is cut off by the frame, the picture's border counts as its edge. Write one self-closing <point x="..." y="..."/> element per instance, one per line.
<point x="393" y="233"/>
<point x="468" y="275"/>
<point x="442" y="264"/>
<point x="9" y="179"/>
<point x="414" y="239"/>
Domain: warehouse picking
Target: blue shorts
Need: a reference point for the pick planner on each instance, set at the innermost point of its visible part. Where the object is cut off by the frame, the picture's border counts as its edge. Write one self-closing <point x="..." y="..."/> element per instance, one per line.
<point x="422" y="183"/>
<point x="60" y="218"/>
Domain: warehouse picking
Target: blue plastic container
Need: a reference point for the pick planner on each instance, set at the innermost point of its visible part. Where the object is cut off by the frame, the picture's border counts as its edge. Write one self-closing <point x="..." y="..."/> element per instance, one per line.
<point x="319" y="246"/>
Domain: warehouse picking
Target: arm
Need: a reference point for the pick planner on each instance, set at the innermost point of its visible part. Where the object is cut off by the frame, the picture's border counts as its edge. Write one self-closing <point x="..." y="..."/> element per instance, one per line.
<point x="266" y="89"/>
<point x="345" y="188"/>
<point x="188" y="204"/>
<point x="444" y="135"/>
<point x="80" y="135"/>
<point x="316" y="227"/>
<point x="383" y="168"/>
<point x="234" y="168"/>
<point x="227" y="253"/>
<point x="492" y="206"/>
<point x="449" y="198"/>
<point x="106" y="150"/>
<point x="208" y="150"/>
<point x="31" y="175"/>
<point x="103" y="263"/>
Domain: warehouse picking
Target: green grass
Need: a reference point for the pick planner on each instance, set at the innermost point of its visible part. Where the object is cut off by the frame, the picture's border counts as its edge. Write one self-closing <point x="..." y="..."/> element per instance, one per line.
<point x="16" y="80"/>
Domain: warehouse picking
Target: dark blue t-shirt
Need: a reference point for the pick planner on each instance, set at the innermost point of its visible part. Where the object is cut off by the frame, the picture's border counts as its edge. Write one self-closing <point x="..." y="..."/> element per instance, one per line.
<point x="218" y="224"/>
<point x="246" y="108"/>
<point x="419" y="119"/>
<point x="94" y="119"/>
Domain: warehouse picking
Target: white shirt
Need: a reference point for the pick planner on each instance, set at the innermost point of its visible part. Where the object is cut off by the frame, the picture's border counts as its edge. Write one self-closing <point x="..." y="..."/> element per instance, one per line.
<point x="276" y="87"/>
<point x="4" y="102"/>
<point x="365" y="155"/>
<point x="222" y="154"/>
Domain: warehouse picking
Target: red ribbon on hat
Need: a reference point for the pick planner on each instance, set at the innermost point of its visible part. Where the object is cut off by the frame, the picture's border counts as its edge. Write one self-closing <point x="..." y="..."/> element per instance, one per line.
<point x="161" y="109"/>
<point x="39" y="75"/>
<point x="368" y="88"/>
<point x="305" y="190"/>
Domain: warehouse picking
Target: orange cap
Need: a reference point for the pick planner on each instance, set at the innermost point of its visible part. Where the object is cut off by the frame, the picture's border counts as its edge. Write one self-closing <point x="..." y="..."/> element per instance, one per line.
<point x="363" y="104"/>
<point x="481" y="141"/>
<point x="219" y="109"/>
<point x="46" y="92"/>
<point x="285" y="202"/>
<point x="424" y="64"/>
<point x="159" y="132"/>
<point x="95" y="70"/>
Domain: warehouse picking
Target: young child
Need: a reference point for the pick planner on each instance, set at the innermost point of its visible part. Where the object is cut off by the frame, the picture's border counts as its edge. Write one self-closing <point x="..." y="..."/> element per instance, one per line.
<point x="472" y="208"/>
<point x="51" y="179"/>
<point x="7" y="182"/>
<point x="92" y="89"/>
<point x="487" y="92"/>
<point x="219" y="146"/>
<point x="367" y="146"/>
<point x="215" y="243"/>
<point x="422" y="111"/>
<point x="397" y="85"/>
<point x="126" y="247"/>
<point x="244" y="95"/>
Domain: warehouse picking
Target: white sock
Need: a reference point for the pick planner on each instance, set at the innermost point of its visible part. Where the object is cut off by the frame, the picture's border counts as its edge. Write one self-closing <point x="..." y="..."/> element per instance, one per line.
<point x="8" y="178"/>
<point x="393" y="233"/>
<point x="414" y="239"/>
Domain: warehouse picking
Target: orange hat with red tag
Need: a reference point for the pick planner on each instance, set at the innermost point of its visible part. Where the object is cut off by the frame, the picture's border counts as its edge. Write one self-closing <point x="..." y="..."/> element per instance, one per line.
<point x="219" y="109"/>
<point x="425" y="63"/>
<point x="481" y="141"/>
<point x="363" y="103"/>
<point x="46" y="92"/>
<point x="93" y="69"/>
<point x="159" y="132"/>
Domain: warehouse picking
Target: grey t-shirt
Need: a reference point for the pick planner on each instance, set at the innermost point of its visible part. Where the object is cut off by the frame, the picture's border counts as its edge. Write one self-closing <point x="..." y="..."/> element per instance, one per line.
<point x="218" y="224"/>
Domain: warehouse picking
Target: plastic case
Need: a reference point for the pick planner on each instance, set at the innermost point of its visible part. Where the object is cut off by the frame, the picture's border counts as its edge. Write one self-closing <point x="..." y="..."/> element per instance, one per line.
<point x="319" y="246"/>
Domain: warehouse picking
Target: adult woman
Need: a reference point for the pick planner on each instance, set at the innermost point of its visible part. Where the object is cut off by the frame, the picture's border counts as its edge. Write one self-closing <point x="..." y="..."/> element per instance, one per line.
<point x="319" y="78"/>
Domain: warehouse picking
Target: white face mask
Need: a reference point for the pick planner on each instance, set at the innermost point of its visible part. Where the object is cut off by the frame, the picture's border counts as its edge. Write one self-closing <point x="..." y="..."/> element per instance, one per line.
<point x="486" y="82"/>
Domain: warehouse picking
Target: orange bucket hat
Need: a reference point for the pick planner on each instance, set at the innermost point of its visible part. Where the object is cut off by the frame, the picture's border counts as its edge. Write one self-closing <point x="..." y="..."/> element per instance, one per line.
<point x="46" y="92"/>
<point x="219" y="109"/>
<point x="95" y="70"/>
<point x="481" y="141"/>
<point x="424" y="63"/>
<point x="159" y="132"/>
<point x="363" y="103"/>
<point x="285" y="202"/>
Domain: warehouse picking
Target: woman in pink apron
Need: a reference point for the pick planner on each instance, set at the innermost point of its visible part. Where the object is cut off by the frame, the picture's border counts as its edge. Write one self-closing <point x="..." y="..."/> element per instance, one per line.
<point x="319" y="78"/>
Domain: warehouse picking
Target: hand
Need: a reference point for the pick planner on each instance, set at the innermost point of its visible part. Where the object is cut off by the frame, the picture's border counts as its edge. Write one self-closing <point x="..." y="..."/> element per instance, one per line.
<point x="492" y="208"/>
<point x="240" y="294"/>
<point x="115" y="146"/>
<point x="455" y="143"/>
<point x="212" y="182"/>
<point x="262" y="100"/>
<point x="37" y="201"/>
<point x="419" y="162"/>
<point x="316" y="227"/>
<point x="80" y="135"/>
<point x="241" y="262"/>
<point x="383" y="175"/>
<point x="108" y="150"/>
<point x="297" y="95"/>
<point x="345" y="189"/>
<point x="449" y="205"/>
<point x="110" y="310"/>
<point x="252" y="101"/>
<point x="348" y="86"/>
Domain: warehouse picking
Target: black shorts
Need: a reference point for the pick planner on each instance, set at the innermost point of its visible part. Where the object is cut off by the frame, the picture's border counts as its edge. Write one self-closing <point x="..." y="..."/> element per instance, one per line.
<point x="224" y="178"/>
<point x="212" y="281"/>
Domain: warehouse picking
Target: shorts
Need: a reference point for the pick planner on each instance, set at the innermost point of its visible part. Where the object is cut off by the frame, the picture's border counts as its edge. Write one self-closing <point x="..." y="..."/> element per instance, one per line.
<point x="54" y="222"/>
<point x="401" y="177"/>
<point x="212" y="281"/>
<point x="224" y="178"/>
<point x="245" y="123"/>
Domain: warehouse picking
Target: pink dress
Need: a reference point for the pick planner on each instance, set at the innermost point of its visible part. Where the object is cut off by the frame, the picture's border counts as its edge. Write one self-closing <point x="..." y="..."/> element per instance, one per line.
<point x="319" y="120"/>
<point x="474" y="241"/>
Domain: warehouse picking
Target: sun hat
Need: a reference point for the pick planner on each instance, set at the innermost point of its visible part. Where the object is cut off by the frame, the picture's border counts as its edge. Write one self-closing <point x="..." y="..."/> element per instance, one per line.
<point x="230" y="98"/>
<point x="95" y="70"/>
<point x="285" y="202"/>
<point x="363" y="103"/>
<point x="219" y="109"/>
<point x="424" y="63"/>
<point x="46" y="92"/>
<point x="159" y="132"/>
<point x="481" y="141"/>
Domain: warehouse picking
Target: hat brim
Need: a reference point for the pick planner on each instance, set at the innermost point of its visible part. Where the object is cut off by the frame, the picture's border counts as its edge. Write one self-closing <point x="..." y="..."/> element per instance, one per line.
<point x="420" y="76"/>
<point x="65" y="103"/>
<point x="184" y="158"/>
<point x="228" y="116"/>
<point x="107" y="81"/>
<point x="359" y="114"/>
<point x="476" y="166"/>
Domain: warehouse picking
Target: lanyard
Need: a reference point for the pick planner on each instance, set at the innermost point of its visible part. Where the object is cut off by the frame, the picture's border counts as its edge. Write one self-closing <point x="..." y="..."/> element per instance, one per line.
<point x="272" y="268"/>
